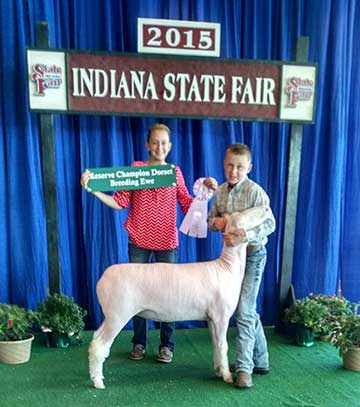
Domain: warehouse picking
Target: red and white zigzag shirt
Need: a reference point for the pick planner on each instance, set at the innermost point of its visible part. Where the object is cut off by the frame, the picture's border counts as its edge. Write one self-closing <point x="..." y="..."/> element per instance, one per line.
<point x="151" y="223"/>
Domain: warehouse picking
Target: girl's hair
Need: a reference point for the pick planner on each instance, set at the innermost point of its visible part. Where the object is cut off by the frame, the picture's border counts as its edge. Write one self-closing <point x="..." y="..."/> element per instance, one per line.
<point x="240" y="149"/>
<point x="158" y="126"/>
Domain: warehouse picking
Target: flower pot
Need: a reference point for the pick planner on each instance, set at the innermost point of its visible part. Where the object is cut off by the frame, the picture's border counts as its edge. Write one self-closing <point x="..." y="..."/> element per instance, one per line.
<point x="324" y="337"/>
<point x="15" y="352"/>
<point x="351" y="359"/>
<point x="304" y="336"/>
<point x="58" y="340"/>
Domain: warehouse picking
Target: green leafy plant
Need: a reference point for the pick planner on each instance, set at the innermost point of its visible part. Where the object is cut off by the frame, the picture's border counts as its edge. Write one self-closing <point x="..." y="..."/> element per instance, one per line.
<point x="15" y="322"/>
<point x="345" y="331"/>
<point x="60" y="314"/>
<point x="308" y="313"/>
<point x="336" y="306"/>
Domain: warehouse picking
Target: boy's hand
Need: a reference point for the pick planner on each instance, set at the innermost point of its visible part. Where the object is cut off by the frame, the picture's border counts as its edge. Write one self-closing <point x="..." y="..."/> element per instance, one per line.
<point x="211" y="183"/>
<point x="220" y="224"/>
<point x="240" y="237"/>
<point x="243" y="235"/>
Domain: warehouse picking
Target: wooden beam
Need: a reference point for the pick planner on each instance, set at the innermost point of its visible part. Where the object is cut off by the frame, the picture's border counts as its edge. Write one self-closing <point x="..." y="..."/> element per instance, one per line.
<point x="286" y="292"/>
<point x="49" y="177"/>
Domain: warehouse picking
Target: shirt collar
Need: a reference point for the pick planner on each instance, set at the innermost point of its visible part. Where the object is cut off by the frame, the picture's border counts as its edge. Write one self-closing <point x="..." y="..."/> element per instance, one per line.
<point x="230" y="187"/>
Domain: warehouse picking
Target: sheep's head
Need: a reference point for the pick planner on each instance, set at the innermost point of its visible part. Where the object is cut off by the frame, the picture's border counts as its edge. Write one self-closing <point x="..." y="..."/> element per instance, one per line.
<point x="239" y="222"/>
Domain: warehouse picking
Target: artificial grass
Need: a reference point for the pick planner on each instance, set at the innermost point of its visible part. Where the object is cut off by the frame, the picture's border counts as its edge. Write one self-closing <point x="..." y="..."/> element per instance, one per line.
<point x="308" y="377"/>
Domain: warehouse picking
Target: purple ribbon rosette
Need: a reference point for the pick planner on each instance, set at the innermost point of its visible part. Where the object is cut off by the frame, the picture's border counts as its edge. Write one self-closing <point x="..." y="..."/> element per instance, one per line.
<point x="194" y="223"/>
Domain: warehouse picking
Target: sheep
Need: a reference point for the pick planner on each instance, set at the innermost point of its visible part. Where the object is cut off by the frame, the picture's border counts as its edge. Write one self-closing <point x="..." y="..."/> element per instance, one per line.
<point x="176" y="292"/>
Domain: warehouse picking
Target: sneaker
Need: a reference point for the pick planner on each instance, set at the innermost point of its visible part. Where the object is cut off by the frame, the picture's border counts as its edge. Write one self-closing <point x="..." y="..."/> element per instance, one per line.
<point x="243" y="380"/>
<point x="165" y="355"/>
<point x="138" y="352"/>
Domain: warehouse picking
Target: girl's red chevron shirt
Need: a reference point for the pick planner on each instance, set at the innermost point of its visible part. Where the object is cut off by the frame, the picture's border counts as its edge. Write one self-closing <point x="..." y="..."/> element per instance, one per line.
<point x="151" y="223"/>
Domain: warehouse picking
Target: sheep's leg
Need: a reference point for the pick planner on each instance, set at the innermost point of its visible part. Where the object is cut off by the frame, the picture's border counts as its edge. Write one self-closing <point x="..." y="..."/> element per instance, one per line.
<point x="100" y="348"/>
<point x="216" y="354"/>
<point x="221" y="349"/>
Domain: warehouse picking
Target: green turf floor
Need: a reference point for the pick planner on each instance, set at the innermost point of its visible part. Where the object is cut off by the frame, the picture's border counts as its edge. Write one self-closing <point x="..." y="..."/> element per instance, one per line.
<point x="307" y="377"/>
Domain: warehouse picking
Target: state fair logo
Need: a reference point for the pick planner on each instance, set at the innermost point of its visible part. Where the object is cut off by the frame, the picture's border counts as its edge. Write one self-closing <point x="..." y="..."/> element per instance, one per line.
<point x="298" y="89"/>
<point x="45" y="77"/>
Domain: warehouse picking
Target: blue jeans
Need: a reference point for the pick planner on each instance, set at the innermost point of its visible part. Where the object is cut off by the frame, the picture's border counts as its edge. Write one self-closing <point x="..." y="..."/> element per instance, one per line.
<point x="167" y="329"/>
<point x="251" y="346"/>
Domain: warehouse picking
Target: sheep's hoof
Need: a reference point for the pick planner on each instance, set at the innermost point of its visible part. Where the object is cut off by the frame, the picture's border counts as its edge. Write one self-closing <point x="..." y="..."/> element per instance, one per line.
<point x="228" y="378"/>
<point x="218" y="372"/>
<point x="99" y="384"/>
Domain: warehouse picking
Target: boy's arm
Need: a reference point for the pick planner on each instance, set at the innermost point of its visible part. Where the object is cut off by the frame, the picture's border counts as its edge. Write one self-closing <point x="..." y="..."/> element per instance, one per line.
<point x="212" y="215"/>
<point x="215" y="221"/>
<point x="257" y="234"/>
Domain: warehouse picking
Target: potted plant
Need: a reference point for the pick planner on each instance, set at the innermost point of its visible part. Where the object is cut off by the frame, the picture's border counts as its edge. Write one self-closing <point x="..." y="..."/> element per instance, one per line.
<point x="307" y="318"/>
<point x="15" y="333"/>
<point x="345" y="335"/>
<point x="62" y="319"/>
<point x="336" y="306"/>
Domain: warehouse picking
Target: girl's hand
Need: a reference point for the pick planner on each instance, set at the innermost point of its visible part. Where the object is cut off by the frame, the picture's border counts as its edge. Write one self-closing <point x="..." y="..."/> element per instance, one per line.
<point x="85" y="179"/>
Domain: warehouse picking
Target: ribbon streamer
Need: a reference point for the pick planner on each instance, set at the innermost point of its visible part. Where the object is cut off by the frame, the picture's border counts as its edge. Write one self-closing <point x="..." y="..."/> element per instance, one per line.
<point x="194" y="224"/>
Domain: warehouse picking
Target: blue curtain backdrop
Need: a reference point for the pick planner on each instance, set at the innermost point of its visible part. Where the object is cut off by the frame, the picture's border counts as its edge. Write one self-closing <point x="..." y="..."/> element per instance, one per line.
<point x="91" y="235"/>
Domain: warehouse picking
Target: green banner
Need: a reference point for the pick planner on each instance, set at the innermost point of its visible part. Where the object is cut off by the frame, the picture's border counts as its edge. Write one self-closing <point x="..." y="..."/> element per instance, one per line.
<point x="127" y="178"/>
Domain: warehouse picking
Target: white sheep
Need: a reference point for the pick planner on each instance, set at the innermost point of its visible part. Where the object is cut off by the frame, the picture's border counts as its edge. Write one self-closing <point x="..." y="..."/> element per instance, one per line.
<point x="176" y="292"/>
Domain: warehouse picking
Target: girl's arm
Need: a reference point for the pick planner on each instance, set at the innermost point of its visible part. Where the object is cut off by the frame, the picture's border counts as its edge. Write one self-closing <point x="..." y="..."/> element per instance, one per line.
<point x="108" y="200"/>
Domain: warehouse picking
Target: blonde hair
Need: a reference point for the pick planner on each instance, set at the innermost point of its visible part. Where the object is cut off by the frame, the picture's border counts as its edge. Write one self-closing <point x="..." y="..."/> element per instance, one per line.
<point x="158" y="126"/>
<point x="240" y="149"/>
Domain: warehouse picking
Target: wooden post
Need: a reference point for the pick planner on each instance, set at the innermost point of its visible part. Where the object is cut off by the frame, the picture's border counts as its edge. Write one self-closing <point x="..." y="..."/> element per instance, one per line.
<point x="49" y="177"/>
<point x="286" y="292"/>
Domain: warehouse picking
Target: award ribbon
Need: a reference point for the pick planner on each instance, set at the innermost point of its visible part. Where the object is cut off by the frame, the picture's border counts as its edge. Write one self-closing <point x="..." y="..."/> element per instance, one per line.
<point x="194" y="224"/>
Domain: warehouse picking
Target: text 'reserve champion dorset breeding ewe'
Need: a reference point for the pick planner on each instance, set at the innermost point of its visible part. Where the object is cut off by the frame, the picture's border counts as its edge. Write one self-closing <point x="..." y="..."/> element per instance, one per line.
<point x="176" y="292"/>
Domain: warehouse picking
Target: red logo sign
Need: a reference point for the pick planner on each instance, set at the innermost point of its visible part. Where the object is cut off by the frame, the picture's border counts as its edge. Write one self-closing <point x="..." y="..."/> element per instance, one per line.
<point x="46" y="76"/>
<point x="298" y="89"/>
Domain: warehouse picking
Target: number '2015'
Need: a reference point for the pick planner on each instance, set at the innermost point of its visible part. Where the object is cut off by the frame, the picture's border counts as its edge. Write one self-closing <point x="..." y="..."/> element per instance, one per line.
<point x="173" y="38"/>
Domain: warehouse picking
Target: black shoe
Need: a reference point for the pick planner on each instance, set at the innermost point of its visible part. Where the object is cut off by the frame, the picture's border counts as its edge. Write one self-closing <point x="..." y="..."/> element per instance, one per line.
<point x="256" y="370"/>
<point x="261" y="370"/>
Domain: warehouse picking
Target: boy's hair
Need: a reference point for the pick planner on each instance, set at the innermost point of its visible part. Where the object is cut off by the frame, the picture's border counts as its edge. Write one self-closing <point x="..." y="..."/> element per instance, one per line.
<point x="158" y="126"/>
<point x="240" y="149"/>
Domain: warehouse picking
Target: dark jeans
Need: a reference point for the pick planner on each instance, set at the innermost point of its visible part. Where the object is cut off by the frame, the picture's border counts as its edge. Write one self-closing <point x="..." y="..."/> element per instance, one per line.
<point x="167" y="329"/>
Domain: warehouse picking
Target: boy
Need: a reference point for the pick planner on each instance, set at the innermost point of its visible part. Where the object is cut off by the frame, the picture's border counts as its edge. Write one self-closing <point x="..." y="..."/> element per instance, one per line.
<point x="237" y="194"/>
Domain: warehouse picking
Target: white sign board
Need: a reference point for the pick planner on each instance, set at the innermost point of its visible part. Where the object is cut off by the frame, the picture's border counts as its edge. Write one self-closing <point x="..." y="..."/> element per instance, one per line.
<point x="47" y="74"/>
<point x="298" y="92"/>
<point x="176" y="37"/>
